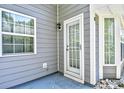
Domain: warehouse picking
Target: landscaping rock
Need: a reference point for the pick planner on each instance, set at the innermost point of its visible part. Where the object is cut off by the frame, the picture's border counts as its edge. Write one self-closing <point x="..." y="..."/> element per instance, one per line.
<point x="122" y="81"/>
<point x="110" y="84"/>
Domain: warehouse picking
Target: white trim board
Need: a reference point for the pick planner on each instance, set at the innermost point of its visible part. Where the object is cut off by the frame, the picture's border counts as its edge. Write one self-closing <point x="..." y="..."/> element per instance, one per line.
<point x="92" y="47"/>
<point x="58" y="61"/>
<point x="0" y="34"/>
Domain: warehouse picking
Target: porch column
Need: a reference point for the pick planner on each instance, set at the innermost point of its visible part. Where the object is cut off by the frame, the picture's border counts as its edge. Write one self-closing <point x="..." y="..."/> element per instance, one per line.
<point x="92" y="47"/>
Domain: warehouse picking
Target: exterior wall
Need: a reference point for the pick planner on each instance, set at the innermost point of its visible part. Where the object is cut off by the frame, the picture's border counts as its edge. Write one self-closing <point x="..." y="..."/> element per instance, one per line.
<point x="66" y="12"/>
<point x="97" y="45"/>
<point x="19" y="69"/>
<point x="109" y="72"/>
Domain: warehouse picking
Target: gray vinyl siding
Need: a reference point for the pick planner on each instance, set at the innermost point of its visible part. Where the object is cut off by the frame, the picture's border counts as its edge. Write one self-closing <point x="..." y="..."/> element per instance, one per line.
<point x="97" y="45"/>
<point x="122" y="68"/>
<point x="66" y="12"/>
<point x="109" y="72"/>
<point x="15" y="70"/>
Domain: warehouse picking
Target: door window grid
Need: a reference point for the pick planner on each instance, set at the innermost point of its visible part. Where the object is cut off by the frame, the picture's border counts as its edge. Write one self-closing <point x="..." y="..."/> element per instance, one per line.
<point x="74" y="49"/>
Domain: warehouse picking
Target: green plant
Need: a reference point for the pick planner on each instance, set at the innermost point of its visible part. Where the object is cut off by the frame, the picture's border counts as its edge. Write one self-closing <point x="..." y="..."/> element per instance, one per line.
<point x="121" y="85"/>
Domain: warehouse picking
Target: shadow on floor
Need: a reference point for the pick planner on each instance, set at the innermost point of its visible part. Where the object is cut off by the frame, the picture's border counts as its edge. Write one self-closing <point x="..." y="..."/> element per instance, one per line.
<point x="54" y="81"/>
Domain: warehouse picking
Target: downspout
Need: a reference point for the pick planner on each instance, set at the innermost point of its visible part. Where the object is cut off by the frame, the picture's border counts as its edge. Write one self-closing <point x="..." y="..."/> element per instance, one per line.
<point x="57" y="38"/>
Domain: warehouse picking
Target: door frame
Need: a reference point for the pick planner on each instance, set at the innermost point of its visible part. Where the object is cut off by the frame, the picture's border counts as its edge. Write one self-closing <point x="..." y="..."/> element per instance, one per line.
<point x="67" y="42"/>
<point x="81" y="18"/>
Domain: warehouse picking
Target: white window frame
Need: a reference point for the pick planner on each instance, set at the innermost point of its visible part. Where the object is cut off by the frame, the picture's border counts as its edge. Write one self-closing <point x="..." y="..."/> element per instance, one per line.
<point x="101" y="39"/>
<point x="114" y="40"/>
<point x="17" y="34"/>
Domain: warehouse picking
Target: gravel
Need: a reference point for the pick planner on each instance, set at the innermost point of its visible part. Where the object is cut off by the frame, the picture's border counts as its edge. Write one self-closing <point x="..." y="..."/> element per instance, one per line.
<point x="109" y="84"/>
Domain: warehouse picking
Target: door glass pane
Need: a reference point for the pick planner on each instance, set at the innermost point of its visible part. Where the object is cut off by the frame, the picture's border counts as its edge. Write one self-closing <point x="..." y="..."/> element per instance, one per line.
<point x="109" y="41"/>
<point x="74" y="45"/>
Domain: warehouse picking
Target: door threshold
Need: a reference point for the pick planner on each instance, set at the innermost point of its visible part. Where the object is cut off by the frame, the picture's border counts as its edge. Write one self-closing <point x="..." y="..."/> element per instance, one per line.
<point x="74" y="78"/>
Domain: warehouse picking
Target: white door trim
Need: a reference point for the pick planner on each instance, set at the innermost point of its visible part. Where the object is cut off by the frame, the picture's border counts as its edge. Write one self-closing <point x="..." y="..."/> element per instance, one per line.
<point x="81" y="18"/>
<point x="100" y="48"/>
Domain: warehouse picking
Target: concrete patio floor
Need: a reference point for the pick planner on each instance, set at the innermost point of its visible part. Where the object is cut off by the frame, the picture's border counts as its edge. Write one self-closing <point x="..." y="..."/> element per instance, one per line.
<point x="53" y="81"/>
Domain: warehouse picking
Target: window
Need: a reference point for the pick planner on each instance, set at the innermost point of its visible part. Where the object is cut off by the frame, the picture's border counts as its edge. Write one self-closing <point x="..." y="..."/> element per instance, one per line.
<point x="109" y="40"/>
<point x="18" y="33"/>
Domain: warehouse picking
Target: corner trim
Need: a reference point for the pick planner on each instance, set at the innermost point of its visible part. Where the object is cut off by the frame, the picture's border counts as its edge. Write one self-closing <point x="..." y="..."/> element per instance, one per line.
<point x="92" y="47"/>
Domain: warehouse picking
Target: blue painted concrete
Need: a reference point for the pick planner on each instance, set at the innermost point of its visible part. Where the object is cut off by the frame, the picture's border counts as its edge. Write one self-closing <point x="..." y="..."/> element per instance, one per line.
<point x="54" y="81"/>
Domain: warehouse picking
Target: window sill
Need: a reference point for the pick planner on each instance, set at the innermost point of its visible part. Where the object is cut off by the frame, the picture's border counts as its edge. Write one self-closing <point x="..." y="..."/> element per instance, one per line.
<point x="109" y="65"/>
<point x="17" y="54"/>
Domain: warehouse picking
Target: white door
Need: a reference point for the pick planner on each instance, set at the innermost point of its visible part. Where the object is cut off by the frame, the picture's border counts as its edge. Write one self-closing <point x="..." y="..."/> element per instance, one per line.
<point x="73" y="48"/>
